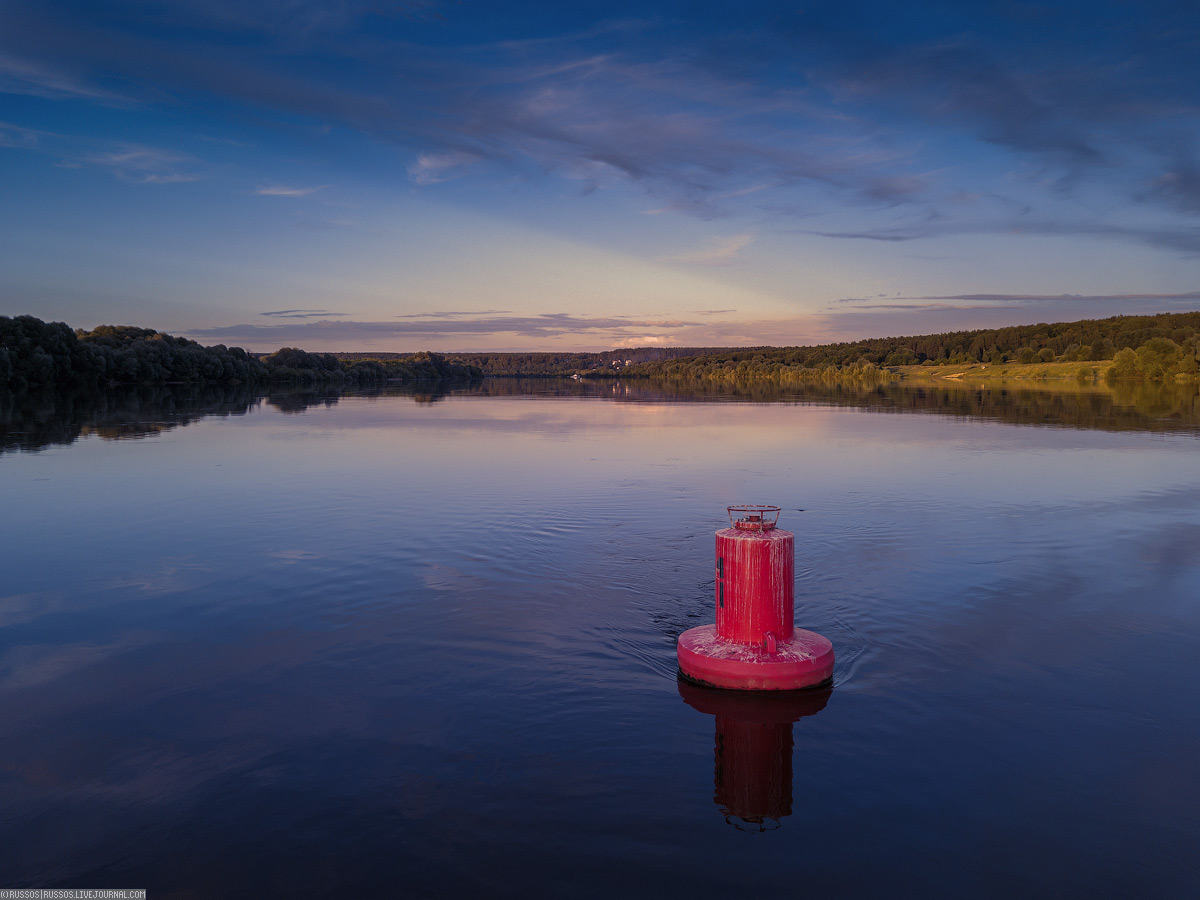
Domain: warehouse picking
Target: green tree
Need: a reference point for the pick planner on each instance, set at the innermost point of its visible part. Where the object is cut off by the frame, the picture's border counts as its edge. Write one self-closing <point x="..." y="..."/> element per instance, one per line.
<point x="1125" y="366"/>
<point x="1158" y="357"/>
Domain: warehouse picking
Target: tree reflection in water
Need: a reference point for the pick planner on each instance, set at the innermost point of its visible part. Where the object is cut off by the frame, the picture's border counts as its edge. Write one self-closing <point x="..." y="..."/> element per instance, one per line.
<point x="33" y="420"/>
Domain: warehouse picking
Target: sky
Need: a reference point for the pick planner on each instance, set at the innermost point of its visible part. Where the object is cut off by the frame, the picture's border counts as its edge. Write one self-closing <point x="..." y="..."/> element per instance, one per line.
<point x="380" y="175"/>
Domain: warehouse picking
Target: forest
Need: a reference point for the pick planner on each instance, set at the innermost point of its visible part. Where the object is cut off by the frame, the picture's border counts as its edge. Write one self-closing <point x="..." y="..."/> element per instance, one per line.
<point x="1160" y="347"/>
<point x="37" y="354"/>
<point x="290" y="365"/>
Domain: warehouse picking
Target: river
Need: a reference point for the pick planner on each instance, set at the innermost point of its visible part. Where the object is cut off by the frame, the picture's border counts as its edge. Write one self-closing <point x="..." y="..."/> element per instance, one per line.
<point x="422" y="644"/>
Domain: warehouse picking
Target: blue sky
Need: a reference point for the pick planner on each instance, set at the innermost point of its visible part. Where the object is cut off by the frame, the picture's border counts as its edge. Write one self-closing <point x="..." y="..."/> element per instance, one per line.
<point x="356" y="174"/>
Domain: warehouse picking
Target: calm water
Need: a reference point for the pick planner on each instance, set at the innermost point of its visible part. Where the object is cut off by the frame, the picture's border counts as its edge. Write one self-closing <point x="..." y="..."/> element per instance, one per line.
<point x="385" y="646"/>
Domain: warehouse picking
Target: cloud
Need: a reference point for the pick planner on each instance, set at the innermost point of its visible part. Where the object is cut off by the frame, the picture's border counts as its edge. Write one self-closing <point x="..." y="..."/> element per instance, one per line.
<point x="1177" y="237"/>
<point x="721" y="252"/>
<point x="453" y="314"/>
<point x="745" y="192"/>
<point x="859" y="319"/>
<point x="866" y="304"/>
<point x="1033" y="302"/>
<point x="1033" y="299"/>
<point x="302" y="314"/>
<point x="146" y="165"/>
<point x="442" y="329"/>
<point x="432" y="168"/>
<point x="16" y="136"/>
<point x="140" y="163"/>
<point x="279" y="190"/>
<point x="605" y="107"/>
<point x="21" y="76"/>
<point x="718" y="114"/>
<point x="550" y="331"/>
<point x="294" y="20"/>
<point x="1180" y="185"/>
<point x="131" y="162"/>
<point x="959" y="79"/>
<point x="167" y="178"/>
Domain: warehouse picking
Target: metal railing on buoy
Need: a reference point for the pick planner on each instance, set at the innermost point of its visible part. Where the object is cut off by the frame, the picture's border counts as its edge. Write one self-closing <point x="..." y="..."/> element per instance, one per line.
<point x="755" y="645"/>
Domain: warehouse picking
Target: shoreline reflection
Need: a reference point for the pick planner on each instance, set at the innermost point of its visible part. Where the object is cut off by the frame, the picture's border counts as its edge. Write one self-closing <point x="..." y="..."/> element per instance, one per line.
<point x="36" y="420"/>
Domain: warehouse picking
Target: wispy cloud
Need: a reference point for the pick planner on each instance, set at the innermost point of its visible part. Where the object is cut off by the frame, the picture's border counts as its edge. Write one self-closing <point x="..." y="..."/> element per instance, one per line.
<point x="23" y="76"/>
<point x="279" y="190"/>
<point x="302" y="314"/>
<point x="454" y="314"/>
<point x="912" y="307"/>
<point x="1180" y="237"/>
<point x="147" y="165"/>
<point x="141" y="163"/>
<point x="432" y="168"/>
<point x="1180" y="184"/>
<point x="720" y="252"/>
<point x="1029" y="299"/>
<point x="1004" y="301"/>
<point x="440" y="330"/>
<point x="16" y="136"/>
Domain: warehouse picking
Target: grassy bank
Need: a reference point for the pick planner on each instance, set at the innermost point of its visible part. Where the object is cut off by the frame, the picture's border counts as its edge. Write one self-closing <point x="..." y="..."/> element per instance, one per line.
<point x="1072" y="372"/>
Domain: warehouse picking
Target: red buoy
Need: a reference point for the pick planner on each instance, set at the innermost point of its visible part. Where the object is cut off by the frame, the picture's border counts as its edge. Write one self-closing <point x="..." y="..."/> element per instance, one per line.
<point x="755" y="644"/>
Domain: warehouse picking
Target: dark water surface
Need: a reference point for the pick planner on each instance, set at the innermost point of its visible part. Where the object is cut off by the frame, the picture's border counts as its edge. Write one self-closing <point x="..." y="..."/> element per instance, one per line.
<point x="386" y="646"/>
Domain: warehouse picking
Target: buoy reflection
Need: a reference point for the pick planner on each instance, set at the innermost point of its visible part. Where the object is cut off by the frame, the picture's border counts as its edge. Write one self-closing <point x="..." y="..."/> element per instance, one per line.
<point x="753" y="749"/>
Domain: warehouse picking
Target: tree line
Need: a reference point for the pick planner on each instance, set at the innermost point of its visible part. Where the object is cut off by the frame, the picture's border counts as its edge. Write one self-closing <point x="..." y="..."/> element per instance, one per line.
<point x="1161" y="347"/>
<point x="290" y="365"/>
<point x="37" y="354"/>
<point x="552" y="363"/>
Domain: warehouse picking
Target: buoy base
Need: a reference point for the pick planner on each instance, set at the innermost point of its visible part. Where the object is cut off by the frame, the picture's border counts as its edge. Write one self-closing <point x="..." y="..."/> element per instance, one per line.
<point x="804" y="660"/>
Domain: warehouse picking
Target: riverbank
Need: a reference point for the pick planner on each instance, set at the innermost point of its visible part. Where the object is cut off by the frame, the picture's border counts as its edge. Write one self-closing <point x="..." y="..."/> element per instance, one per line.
<point x="1076" y="372"/>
